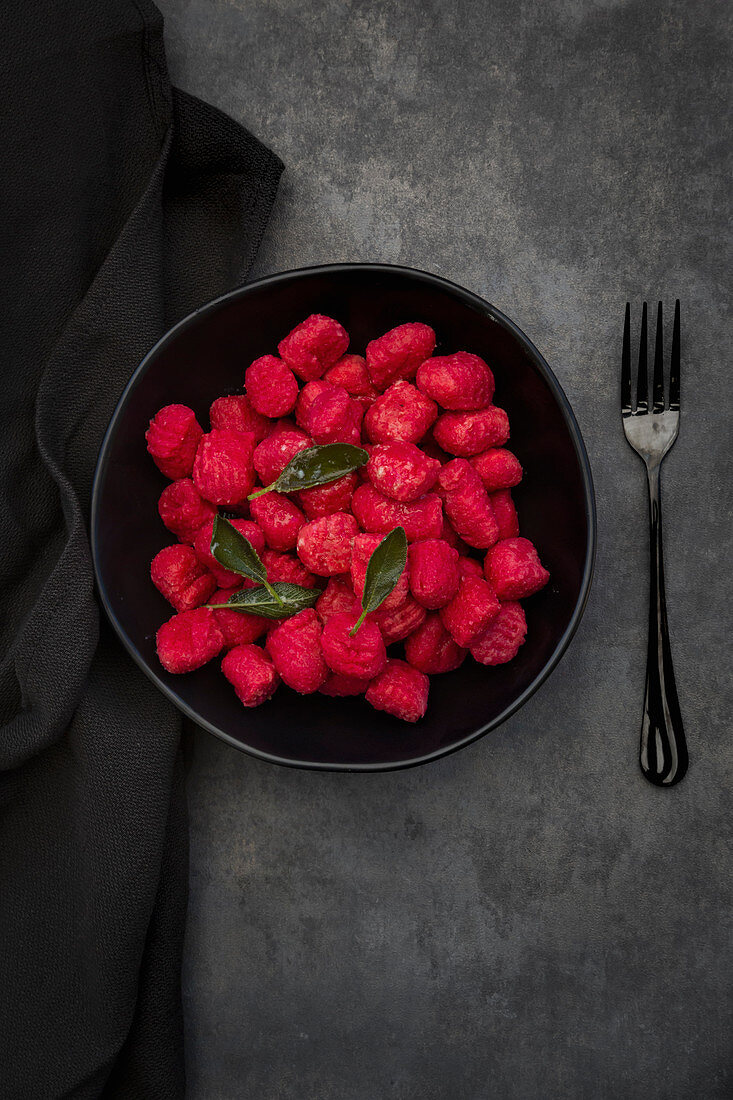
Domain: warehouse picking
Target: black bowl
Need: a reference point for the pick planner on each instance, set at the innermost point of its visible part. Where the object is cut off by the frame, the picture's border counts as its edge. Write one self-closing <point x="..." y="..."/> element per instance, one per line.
<point x="205" y="356"/>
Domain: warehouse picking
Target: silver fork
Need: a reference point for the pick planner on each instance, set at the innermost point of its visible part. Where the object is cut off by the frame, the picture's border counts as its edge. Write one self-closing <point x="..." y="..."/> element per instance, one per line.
<point x="663" y="752"/>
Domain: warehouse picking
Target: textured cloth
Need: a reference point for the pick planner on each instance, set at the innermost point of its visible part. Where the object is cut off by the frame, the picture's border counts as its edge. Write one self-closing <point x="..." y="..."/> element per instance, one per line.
<point x="126" y="203"/>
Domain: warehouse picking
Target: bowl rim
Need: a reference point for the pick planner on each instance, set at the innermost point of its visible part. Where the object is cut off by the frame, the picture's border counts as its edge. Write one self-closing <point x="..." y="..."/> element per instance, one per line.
<point x="469" y="298"/>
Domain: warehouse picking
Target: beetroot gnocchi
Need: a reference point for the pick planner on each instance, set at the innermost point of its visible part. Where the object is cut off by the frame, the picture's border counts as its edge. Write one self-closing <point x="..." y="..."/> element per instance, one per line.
<point x="434" y="463"/>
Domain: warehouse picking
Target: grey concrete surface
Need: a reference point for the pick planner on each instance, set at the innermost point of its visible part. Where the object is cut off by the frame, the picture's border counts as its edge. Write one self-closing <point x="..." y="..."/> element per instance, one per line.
<point x="490" y="927"/>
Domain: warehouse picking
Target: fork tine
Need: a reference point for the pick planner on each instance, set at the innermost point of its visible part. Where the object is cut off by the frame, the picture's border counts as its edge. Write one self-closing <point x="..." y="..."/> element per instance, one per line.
<point x="674" y="376"/>
<point x="658" y="381"/>
<point x="642" y="382"/>
<point x="626" y="365"/>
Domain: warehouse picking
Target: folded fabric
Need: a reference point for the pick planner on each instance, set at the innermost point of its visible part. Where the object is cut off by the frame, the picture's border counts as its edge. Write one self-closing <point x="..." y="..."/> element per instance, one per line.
<point x="126" y="203"/>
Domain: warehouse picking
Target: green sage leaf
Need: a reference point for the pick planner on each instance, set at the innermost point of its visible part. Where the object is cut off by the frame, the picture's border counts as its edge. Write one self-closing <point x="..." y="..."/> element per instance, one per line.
<point x="386" y="566"/>
<point x="232" y="550"/>
<point x="317" y="466"/>
<point x="291" y="598"/>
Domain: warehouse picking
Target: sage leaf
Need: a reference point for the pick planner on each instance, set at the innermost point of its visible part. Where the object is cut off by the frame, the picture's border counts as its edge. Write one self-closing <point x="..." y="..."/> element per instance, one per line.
<point x="290" y="599"/>
<point x="317" y="466"/>
<point x="386" y="566"/>
<point x="235" y="552"/>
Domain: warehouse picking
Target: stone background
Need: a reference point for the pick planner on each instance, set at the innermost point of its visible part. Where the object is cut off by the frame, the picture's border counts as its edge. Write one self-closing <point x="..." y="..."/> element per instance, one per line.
<point x="487" y="927"/>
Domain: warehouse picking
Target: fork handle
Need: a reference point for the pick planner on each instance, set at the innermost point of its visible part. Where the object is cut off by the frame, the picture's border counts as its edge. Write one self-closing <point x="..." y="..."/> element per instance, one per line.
<point x="663" y="752"/>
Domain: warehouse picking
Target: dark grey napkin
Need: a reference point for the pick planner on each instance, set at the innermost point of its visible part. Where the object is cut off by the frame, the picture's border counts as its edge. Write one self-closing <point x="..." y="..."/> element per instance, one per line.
<point x="126" y="203"/>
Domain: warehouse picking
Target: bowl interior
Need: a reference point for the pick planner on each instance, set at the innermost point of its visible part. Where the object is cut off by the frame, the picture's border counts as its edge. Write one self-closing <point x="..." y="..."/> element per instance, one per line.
<point x="206" y="356"/>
